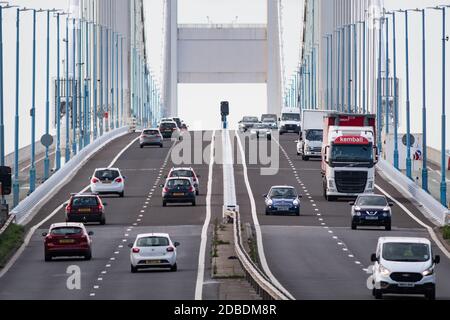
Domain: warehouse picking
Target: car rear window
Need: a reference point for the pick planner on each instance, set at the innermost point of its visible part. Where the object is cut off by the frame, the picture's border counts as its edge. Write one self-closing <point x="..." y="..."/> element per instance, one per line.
<point x="151" y="132"/>
<point x="84" y="201"/>
<point x="66" y="231"/>
<point x="152" y="242"/>
<point x="106" y="174"/>
<point x="178" y="182"/>
<point x="182" y="173"/>
<point x="168" y="125"/>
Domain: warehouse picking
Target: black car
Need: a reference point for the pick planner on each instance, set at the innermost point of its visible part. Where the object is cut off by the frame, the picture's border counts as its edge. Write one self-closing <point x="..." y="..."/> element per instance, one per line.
<point x="371" y="210"/>
<point x="178" y="190"/>
<point x="85" y="208"/>
<point x="168" y="129"/>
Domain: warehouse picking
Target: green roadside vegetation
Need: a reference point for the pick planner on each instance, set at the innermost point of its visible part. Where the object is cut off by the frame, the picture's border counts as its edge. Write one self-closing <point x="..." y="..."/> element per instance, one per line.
<point x="10" y="241"/>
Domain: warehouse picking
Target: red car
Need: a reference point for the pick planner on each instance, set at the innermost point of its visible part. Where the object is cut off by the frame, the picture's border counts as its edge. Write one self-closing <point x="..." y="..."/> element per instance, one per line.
<point x="85" y="208"/>
<point x="67" y="240"/>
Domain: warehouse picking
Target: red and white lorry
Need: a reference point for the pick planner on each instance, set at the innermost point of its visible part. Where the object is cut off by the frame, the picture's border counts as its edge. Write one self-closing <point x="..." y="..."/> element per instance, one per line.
<point x="349" y="155"/>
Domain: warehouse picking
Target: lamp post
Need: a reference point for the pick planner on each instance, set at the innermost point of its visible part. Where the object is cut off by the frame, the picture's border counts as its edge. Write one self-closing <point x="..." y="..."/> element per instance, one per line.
<point x="355" y="77"/>
<point x="387" y="77"/>
<point x="349" y="69"/>
<point x="338" y="87"/>
<point x="33" y="110"/>
<point x="117" y="80"/>
<point x="379" y="86"/>
<point x="395" y="93"/>
<point x="67" y="149"/>
<point x="364" y="106"/>
<point x="121" y="76"/>
<point x="74" y="89"/>
<point x="94" y="80"/>
<point x="16" y="189"/>
<point x="101" y="81"/>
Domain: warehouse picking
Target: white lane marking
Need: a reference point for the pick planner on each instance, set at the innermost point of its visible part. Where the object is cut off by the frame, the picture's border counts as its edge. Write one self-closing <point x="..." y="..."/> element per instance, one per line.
<point x="427" y="227"/>
<point x="259" y="239"/>
<point x="204" y="235"/>
<point x="51" y="215"/>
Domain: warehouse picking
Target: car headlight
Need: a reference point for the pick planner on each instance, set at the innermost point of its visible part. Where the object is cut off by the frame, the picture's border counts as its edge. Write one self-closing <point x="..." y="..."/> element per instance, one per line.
<point x="331" y="184"/>
<point x="269" y="202"/>
<point x="358" y="213"/>
<point x="387" y="209"/>
<point x="296" y="203"/>
<point x="428" y="272"/>
<point x="308" y="148"/>
<point x="384" y="271"/>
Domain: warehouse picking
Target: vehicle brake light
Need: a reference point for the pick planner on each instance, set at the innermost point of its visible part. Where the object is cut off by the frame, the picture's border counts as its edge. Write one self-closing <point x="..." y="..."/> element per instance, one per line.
<point x="170" y="249"/>
<point x="118" y="180"/>
<point x="191" y="189"/>
<point x="100" y="208"/>
<point x="95" y="180"/>
<point x="68" y="208"/>
<point x="166" y="190"/>
<point x="136" y="250"/>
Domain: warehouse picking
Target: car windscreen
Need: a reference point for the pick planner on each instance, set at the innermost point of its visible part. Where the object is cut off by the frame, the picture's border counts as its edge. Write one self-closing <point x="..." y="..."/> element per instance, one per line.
<point x="372" y="201"/>
<point x="178" y="183"/>
<point x="182" y="173"/>
<point x="151" y="132"/>
<point x="250" y="119"/>
<point x="152" y="242"/>
<point x="406" y="252"/>
<point x="314" y="135"/>
<point x="290" y="117"/>
<point x="260" y="126"/>
<point x="352" y="153"/>
<point x="283" y="193"/>
<point x="66" y="231"/>
<point x="84" y="202"/>
<point x="106" y="175"/>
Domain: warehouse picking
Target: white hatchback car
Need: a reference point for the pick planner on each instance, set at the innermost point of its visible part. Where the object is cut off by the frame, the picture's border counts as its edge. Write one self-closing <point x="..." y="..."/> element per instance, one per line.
<point x="153" y="251"/>
<point x="186" y="173"/>
<point x="404" y="266"/>
<point x="108" y="181"/>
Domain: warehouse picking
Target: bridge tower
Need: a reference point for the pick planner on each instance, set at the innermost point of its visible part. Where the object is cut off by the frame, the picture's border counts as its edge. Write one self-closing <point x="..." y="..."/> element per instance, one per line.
<point x="222" y="53"/>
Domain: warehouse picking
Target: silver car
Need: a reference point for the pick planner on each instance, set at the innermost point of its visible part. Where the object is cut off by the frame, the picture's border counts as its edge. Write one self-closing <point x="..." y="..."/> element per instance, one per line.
<point x="261" y="131"/>
<point x="151" y="137"/>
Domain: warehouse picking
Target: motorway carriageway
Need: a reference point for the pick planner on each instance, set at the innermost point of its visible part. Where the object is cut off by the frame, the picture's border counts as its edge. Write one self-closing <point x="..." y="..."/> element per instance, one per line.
<point x="314" y="256"/>
<point x="317" y="255"/>
<point x="107" y="275"/>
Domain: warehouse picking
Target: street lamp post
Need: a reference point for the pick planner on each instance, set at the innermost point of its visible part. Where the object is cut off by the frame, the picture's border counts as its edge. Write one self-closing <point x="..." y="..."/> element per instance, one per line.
<point x="408" y="103"/>
<point x="424" y="107"/>
<point x="355" y="80"/>
<point x="379" y="86"/>
<point x="387" y="77"/>
<point x="94" y="80"/>
<point x="67" y="149"/>
<point x="117" y="80"/>
<point x="101" y="80"/>
<point x="338" y="87"/>
<point x="74" y="89"/>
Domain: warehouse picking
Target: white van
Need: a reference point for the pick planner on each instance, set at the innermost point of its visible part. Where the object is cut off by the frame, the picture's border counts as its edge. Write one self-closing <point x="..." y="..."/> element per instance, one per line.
<point x="289" y="121"/>
<point x="404" y="266"/>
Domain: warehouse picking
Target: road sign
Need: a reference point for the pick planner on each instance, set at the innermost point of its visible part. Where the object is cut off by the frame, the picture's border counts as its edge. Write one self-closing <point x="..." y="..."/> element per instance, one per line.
<point x="46" y="140"/>
<point x="418" y="155"/>
<point x="412" y="140"/>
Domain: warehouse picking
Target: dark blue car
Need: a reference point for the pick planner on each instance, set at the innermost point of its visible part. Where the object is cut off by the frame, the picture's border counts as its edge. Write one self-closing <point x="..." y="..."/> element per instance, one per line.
<point x="282" y="200"/>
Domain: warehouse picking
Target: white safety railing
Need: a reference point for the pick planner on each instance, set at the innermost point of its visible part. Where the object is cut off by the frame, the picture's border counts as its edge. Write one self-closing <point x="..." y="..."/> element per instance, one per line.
<point x="28" y="207"/>
<point x="433" y="209"/>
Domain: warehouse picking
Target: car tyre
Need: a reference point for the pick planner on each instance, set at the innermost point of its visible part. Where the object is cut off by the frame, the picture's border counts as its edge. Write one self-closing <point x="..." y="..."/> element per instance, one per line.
<point x="134" y="269"/>
<point x="103" y="222"/>
<point x="161" y="145"/>
<point x="354" y="226"/>
<point x="48" y="257"/>
<point x="174" y="268"/>
<point x="141" y="146"/>
<point x="88" y="256"/>
<point x="164" y="204"/>
<point x="197" y="193"/>
<point x="431" y="294"/>
<point x="194" y="203"/>
<point x="377" y="294"/>
<point x="388" y="227"/>
<point x="122" y="194"/>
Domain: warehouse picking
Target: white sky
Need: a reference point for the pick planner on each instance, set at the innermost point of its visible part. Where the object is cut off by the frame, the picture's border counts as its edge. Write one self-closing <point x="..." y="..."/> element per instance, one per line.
<point x="204" y="100"/>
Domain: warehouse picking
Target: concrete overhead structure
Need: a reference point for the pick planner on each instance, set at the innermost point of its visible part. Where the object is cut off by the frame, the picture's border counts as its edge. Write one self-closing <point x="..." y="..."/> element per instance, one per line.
<point x="222" y="53"/>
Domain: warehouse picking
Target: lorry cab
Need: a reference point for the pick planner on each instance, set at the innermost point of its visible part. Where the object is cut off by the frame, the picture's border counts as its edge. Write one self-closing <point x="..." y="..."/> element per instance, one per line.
<point x="349" y="156"/>
<point x="289" y="121"/>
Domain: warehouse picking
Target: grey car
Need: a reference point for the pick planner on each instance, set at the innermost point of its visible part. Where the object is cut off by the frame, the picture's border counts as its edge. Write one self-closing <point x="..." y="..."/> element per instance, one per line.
<point x="151" y="137"/>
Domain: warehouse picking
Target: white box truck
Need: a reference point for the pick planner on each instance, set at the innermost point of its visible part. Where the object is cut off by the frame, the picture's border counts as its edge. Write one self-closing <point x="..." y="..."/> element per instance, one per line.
<point x="309" y="144"/>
